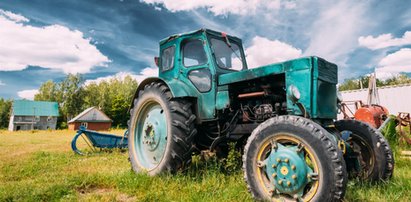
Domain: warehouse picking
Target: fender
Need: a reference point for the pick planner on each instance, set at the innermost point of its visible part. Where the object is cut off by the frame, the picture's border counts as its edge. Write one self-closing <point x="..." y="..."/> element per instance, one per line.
<point x="177" y="88"/>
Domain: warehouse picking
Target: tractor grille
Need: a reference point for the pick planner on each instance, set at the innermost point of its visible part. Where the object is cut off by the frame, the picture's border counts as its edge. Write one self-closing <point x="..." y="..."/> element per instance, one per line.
<point x="326" y="88"/>
<point x="327" y="71"/>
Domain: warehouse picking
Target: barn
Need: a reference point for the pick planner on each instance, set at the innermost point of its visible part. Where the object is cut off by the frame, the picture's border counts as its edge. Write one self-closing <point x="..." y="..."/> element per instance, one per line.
<point x="92" y="119"/>
<point x="33" y="115"/>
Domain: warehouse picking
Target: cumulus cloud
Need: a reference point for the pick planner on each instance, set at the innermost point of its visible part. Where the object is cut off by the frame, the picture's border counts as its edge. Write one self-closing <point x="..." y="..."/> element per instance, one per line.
<point x="218" y="7"/>
<point x="146" y="72"/>
<point x="54" y="46"/>
<point x="27" y="94"/>
<point x="264" y="51"/>
<point x="395" y="63"/>
<point x="13" y="17"/>
<point x="335" y="32"/>
<point x="384" y="41"/>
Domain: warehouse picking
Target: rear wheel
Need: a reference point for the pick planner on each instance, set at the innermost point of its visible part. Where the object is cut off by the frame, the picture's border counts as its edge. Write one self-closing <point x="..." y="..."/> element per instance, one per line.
<point x="289" y="158"/>
<point x="161" y="131"/>
<point x="370" y="157"/>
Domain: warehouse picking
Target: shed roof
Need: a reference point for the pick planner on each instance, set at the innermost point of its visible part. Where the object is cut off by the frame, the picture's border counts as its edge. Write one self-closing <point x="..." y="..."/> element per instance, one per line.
<point x="92" y="114"/>
<point x="35" y="108"/>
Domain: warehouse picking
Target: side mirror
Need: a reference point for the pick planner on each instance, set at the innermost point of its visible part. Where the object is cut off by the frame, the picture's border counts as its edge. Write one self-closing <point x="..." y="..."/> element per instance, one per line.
<point x="157" y="61"/>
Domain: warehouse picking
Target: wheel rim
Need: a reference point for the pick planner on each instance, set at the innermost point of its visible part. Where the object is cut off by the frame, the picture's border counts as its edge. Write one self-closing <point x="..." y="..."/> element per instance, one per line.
<point x="287" y="169"/>
<point x="150" y="135"/>
<point x="365" y="157"/>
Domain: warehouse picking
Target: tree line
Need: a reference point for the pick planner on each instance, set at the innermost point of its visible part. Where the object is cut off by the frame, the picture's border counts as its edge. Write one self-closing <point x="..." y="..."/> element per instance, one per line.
<point x="112" y="96"/>
<point x="362" y="82"/>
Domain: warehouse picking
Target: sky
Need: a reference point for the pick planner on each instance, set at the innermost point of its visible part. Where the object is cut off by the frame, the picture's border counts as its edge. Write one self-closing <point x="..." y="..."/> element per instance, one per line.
<point x="46" y="40"/>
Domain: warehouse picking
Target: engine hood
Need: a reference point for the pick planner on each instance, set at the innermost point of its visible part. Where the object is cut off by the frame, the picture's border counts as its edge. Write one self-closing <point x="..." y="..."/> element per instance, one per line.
<point x="276" y="68"/>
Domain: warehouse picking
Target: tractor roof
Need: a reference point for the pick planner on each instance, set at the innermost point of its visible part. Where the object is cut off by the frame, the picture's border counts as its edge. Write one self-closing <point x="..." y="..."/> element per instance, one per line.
<point x="204" y="30"/>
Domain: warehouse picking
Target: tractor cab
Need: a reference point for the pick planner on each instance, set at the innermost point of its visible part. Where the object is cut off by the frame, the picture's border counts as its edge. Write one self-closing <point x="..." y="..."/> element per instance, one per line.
<point x="217" y="51"/>
<point x="190" y="63"/>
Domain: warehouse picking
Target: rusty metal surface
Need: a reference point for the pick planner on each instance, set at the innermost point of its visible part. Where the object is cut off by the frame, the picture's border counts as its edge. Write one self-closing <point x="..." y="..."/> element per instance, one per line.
<point x="373" y="115"/>
<point x="253" y="94"/>
<point x="404" y="121"/>
<point x="348" y="108"/>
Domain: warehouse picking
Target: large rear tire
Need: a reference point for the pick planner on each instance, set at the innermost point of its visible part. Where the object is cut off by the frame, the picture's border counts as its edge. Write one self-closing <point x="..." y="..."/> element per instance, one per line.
<point x="370" y="149"/>
<point x="161" y="131"/>
<point x="289" y="158"/>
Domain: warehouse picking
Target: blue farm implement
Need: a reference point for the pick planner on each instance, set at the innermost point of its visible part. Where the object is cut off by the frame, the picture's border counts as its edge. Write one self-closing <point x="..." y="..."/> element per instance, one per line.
<point x="97" y="140"/>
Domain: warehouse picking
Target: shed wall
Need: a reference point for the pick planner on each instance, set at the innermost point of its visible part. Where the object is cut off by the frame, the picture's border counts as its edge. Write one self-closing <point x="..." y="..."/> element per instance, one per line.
<point x="91" y="125"/>
<point x="32" y="123"/>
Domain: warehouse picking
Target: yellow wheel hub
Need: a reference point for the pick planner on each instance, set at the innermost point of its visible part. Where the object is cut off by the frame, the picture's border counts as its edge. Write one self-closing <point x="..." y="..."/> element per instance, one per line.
<point x="287" y="169"/>
<point x="284" y="170"/>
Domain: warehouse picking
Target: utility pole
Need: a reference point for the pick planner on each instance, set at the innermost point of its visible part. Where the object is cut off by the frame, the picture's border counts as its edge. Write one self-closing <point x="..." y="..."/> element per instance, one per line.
<point x="34" y="118"/>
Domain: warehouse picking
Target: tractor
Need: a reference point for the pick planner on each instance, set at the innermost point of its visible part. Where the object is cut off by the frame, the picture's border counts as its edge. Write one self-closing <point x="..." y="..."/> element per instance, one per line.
<point x="284" y="114"/>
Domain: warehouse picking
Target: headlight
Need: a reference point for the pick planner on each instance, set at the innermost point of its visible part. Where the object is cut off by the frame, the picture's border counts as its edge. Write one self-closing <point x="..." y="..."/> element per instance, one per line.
<point x="294" y="93"/>
<point x="339" y="97"/>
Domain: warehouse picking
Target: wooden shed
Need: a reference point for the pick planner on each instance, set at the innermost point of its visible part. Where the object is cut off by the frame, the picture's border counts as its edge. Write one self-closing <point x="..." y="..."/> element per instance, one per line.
<point x="91" y="118"/>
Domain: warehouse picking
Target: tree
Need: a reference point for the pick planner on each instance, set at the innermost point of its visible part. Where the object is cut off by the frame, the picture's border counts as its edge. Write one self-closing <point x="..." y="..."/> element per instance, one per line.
<point x="353" y="84"/>
<point x="401" y="79"/>
<point x="72" y="94"/>
<point x="113" y="97"/>
<point x="349" y="84"/>
<point x="48" y="92"/>
<point x="5" y="111"/>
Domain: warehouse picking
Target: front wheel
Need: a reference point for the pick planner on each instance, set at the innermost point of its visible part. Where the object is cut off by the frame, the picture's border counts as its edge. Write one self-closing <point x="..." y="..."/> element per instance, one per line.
<point x="289" y="158"/>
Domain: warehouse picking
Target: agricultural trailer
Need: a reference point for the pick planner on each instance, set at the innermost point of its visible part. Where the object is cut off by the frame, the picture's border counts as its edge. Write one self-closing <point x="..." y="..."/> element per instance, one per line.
<point x="283" y="115"/>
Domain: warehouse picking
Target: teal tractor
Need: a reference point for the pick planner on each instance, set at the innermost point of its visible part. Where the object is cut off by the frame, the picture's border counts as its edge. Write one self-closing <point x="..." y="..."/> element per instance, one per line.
<point x="283" y="114"/>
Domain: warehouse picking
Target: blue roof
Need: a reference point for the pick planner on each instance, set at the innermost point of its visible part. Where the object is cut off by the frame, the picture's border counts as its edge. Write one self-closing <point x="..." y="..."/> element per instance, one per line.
<point x="35" y="108"/>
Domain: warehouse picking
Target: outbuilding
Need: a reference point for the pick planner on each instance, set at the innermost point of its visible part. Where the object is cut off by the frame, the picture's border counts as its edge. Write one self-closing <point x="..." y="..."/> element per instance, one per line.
<point x="33" y="115"/>
<point x="92" y="119"/>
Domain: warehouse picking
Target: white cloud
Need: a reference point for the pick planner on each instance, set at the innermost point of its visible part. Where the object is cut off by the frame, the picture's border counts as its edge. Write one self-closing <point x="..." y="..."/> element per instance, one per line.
<point x="55" y="47"/>
<point x="13" y="17"/>
<point x="335" y="32"/>
<point x="146" y="72"/>
<point x="385" y="75"/>
<point x="396" y="62"/>
<point x="218" y="7"/>
<point x="157" y="8"/>
<point x="27" y="94"/>
<point x="2" y="83"/>
<point x="384" y="41"/>
<point x="264" y="51"/>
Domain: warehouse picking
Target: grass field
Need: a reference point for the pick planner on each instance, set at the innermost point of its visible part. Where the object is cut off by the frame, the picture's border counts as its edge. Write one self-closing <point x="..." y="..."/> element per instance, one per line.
<point x="40" y="166"/>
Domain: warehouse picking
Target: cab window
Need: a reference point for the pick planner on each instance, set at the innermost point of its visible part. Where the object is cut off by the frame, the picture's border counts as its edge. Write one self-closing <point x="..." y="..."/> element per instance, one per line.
<point x="167" y="58"/>
<point x="227" y="56"/>
<point x="193" y="53"/>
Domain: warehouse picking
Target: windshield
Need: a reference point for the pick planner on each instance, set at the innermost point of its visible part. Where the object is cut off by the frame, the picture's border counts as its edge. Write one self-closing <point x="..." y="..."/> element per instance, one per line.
<point x="227" y="56"/>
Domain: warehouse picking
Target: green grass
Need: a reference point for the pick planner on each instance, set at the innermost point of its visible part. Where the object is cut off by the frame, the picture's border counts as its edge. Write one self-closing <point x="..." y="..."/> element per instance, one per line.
<point x="40" y="166"/>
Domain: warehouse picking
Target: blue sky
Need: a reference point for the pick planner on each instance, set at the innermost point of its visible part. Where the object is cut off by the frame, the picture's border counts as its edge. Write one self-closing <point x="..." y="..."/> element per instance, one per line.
<point x="45" y="40"/>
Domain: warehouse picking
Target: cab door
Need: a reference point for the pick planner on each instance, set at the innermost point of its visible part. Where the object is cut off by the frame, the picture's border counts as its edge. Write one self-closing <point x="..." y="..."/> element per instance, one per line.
<point x="196" y="70"/>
